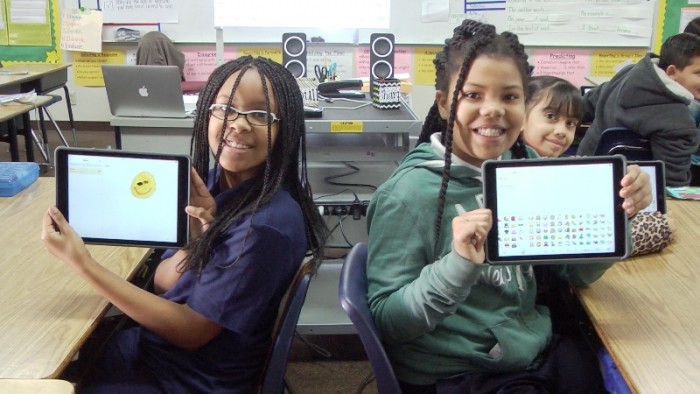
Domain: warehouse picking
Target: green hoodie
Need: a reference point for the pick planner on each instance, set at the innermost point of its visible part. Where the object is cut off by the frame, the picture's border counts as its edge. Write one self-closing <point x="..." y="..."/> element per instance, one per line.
<point x="441" y="316"/>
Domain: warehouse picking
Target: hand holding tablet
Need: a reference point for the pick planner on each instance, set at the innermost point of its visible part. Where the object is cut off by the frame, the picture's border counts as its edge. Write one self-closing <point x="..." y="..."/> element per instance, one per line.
<point x="549" y="211"/>
<point x="124" y="198"/>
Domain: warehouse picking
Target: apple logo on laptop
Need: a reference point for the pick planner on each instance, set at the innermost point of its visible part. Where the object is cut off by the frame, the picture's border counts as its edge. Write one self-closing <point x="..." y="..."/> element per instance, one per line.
<point x="143" y="91"/>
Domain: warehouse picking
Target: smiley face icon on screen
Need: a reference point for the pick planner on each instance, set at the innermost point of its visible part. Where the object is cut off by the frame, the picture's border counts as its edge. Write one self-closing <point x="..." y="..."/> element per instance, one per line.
<point x="143" y="185"/>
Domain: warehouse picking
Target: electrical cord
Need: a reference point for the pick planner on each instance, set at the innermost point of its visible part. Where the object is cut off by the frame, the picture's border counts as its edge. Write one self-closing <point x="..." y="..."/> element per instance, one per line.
<point x="355" y="170"/>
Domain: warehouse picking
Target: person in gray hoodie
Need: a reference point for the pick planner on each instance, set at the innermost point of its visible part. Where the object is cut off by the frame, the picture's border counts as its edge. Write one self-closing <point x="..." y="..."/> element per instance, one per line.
<point x="651" y="99"/>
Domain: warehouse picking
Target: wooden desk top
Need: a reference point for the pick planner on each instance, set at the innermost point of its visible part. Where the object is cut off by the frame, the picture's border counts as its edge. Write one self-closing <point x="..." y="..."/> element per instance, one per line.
<point x="36" y="70"/>
<point x="646" y="310"/>
<point x="33" y="386"/>
<point x="11" y="110"/>
<point x="47" y="310"/>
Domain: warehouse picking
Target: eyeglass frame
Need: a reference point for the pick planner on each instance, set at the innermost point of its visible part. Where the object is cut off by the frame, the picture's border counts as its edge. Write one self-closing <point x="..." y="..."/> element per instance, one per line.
<point x="233" y="110"/>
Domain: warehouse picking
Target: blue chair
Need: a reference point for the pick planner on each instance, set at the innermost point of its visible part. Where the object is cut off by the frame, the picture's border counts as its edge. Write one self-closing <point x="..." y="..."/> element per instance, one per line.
<point x="273" y="381"/>
<point x="353" y="299"/>
<point x="622" y="141"/>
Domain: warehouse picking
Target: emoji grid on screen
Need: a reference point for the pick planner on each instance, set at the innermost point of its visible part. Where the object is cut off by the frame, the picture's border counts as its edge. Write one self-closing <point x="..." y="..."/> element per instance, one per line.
<point x="123" y="198"/>
<point x="546" y="211"/>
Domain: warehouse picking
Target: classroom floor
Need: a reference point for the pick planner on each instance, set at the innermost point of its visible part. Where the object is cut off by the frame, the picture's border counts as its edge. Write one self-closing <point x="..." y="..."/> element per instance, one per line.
<point x="318" y="364"/>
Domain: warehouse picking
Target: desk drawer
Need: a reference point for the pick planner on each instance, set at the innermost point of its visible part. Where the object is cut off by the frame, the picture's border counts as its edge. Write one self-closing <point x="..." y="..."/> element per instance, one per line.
<point x="47" y="82"/>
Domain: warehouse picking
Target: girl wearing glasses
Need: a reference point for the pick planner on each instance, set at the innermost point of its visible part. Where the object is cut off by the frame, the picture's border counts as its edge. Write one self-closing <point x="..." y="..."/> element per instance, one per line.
<point x="209" y="329"/>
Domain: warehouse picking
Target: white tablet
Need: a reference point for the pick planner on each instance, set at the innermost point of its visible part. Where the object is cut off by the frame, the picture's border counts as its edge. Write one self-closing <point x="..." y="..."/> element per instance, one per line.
<point x="124" y="198"/>
<point x="554" y="211"/>
<point x="657" y="178"/>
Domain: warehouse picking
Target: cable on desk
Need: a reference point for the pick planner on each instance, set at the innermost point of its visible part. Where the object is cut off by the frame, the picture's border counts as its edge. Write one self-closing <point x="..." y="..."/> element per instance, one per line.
<point x="330" y="100"/>
<point x="329" y="179"/>
<point x="357" y="199"/>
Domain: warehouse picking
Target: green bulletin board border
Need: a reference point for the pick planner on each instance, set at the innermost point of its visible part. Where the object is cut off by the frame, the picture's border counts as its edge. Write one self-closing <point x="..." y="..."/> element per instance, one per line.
<point x="39" y="54"/>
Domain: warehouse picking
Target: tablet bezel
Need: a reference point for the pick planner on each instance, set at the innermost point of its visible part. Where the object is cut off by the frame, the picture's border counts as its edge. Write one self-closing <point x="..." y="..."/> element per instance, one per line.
<point x="183" y="189"/>
<point x="489" y="169"/>
<point x="660" y="170"/>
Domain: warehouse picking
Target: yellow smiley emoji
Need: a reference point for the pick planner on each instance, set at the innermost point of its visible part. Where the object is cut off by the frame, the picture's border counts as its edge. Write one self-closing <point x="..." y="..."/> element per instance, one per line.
<point x="143" y="185"/>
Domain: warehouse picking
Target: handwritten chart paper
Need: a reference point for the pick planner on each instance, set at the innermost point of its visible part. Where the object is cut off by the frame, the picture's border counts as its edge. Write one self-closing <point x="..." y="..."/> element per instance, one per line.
<point x="423" y="65"/>
<point x="87" y="66"/>
<point x="81" y="30"/>
<point x="605" y="61"/>
<point x="139" y="11"/>
<point x="200" y="63"/>
<point x="572" y="65"/>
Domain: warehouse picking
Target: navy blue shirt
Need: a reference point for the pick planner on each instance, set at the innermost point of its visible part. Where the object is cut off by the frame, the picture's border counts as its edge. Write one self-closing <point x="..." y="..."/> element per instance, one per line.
<point x="240" y="289"/>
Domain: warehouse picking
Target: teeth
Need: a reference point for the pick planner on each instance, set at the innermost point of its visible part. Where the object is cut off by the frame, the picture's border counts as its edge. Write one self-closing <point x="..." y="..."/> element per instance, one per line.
<point x="237" y="145"/>
<point x="489" y="132"/>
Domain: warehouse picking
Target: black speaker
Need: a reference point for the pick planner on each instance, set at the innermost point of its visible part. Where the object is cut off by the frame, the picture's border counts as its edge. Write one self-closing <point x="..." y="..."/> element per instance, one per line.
<point x="381" y="56"/>
<point x="294" y="53"/>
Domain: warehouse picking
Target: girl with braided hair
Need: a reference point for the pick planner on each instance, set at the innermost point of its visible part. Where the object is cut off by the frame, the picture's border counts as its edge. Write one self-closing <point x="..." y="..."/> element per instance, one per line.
<point x="450" y="323"/>
<point x="253" y="222"/>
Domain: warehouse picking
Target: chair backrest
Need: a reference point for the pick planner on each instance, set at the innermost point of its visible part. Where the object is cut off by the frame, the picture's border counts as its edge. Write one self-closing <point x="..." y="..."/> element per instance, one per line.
<point x="353" y="298"/>
<point x="620" y="140"/>
<point x="273" y="378"/>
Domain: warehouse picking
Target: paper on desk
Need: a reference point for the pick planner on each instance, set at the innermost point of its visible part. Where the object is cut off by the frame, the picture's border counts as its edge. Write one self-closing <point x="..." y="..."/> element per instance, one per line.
<point x="684" y="192"/>
<point x="18" y="97"/>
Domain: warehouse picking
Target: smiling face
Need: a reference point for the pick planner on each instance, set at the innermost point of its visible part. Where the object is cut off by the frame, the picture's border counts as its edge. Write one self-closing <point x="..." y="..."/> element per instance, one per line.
<point x="244" y="145"/>
<point x="490" y="109"/>
<point x="688" y="77"/>
<point x="548" y="131"/>
<point x="143" y="185"/>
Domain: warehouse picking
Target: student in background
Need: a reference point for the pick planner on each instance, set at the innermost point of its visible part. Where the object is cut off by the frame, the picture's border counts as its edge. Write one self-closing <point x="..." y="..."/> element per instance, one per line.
<point x="156" y="49"/>
<point x="651" y="98"/>
<point x="553" y="110"/>
<point x="253" y="221"/>
<point x="693" y="27"/>
<point x="449" y="322"/>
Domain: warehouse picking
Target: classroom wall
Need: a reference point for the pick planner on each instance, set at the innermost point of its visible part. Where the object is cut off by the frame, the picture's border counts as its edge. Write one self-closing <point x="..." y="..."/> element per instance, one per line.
<point x="195" y="30"/>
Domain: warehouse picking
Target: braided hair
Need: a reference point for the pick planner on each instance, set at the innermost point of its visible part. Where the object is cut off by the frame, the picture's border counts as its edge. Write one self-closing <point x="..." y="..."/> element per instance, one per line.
<point x="285" y="164"/>
<point x="470" y="40"/>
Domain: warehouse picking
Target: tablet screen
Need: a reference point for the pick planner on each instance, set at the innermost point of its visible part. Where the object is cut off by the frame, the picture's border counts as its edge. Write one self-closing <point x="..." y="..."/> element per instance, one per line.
<point x="657" y="178"/>
<point x="124" y="198"/>
<point x="548" y="211"/>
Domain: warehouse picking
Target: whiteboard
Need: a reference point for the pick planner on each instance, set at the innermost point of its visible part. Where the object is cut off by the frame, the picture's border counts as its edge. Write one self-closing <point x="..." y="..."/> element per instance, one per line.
<point x="562" y="23"/>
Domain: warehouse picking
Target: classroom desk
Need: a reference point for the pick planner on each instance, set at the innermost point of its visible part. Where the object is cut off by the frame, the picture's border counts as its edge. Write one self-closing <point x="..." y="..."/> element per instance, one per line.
<point x="47" y="310"/>
<point x="34" y="386"/>
<point x="172" y="135"/>
<point x="646" y="311"/>
<point x="9" y="112"/>
<point x="42" y="78"/>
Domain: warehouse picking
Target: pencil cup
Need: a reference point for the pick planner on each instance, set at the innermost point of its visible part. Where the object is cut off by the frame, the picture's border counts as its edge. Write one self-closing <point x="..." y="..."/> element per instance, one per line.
<point x="386" y="93"/>
<point x="309" y="91"/>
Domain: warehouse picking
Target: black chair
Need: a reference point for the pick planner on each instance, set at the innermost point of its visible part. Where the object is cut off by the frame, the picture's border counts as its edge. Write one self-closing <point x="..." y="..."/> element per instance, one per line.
<point x="353" y="299"/>
<point x="622" y="141"/>
<point x="273" y="381"/>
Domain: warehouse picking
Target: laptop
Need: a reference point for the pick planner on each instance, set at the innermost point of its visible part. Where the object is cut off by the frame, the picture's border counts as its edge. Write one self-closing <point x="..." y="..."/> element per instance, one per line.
<point x="145" y="91"/>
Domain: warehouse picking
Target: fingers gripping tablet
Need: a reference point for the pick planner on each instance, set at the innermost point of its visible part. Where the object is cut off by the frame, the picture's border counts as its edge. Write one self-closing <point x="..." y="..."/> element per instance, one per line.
<point x="124" y="198"/>
<point x="549" y="211"/>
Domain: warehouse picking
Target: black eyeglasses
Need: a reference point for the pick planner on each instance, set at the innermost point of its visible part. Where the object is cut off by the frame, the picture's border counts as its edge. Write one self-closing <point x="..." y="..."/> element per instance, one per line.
<point x="255" y="117"/>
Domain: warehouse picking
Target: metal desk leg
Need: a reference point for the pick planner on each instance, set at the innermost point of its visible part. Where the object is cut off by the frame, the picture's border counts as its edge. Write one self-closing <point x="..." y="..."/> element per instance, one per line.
<point x="28" y="136"/>
<point x="12" y="134"/>
<point x="118" y="137"/>
<point x="70" y="114"/>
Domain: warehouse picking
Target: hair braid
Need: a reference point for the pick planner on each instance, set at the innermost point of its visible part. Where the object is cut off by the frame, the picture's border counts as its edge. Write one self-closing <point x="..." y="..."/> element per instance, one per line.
<point x="470" y="40"/>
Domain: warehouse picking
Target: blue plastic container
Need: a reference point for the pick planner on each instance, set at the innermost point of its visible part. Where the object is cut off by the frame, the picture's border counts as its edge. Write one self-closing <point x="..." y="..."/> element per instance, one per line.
<point x="612" y="378"/>
<point x="15" y="176"/>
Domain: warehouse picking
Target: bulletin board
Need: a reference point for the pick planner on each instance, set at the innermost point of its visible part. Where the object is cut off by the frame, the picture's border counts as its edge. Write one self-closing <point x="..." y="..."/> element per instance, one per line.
<point x="612" y="23"/>
<point x="48" y="53"/>
<point x="677" y="14"/>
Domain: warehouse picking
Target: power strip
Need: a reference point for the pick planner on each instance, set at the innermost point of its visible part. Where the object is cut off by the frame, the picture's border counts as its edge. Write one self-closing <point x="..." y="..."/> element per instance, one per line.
<point x="355" y="209"/>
